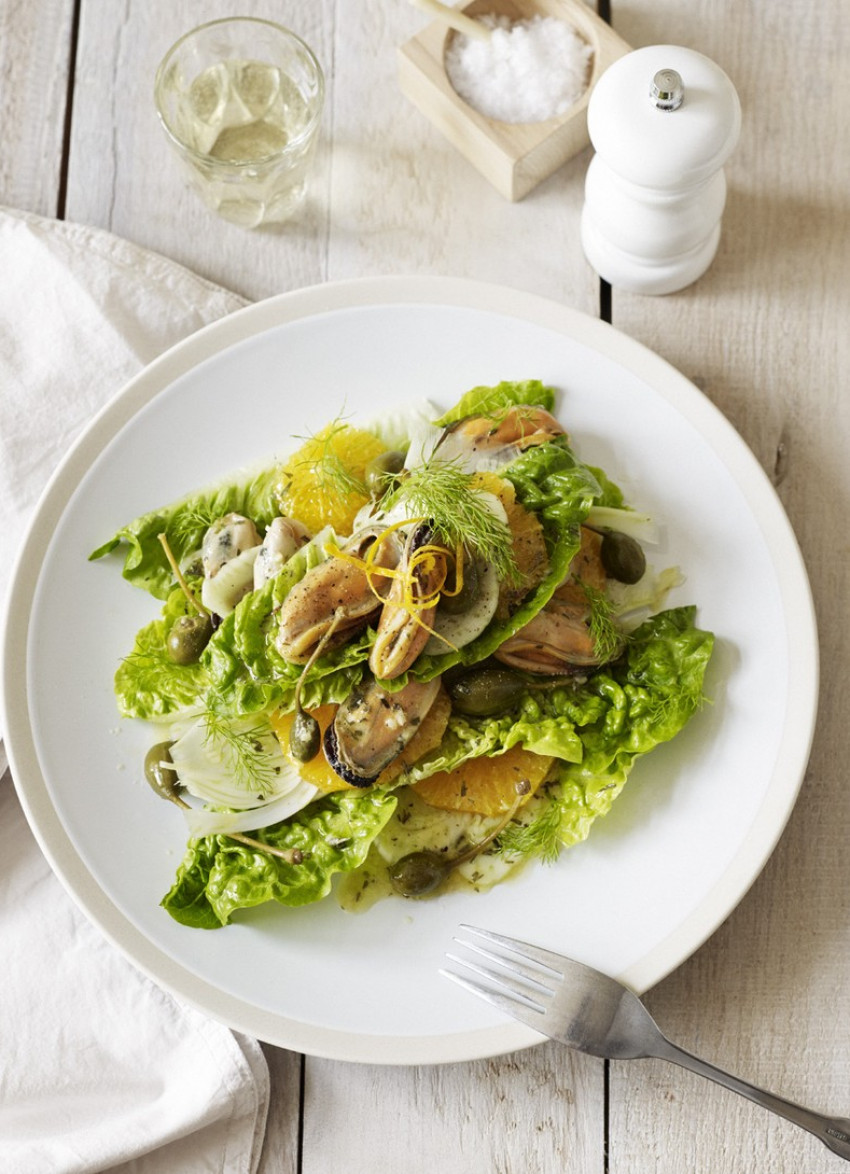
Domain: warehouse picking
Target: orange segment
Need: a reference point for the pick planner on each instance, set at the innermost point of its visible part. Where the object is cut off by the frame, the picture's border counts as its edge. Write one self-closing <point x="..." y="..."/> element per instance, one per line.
<point x="321" y="774"/>
<point x="317" y="771"/>
<point x="485" y="786"/>
<point x="527" y="540"/>
<point x="322" y="484"/>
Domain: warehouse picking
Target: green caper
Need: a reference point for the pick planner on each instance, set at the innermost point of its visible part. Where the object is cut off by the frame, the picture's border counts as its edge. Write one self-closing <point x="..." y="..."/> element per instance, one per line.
<point x="419" y="873"/>
<point x="305" y="737"/>
<point x="381" y="471"/>
<point x="160" y="773"/>
<point x="486" y="691"/>
<point x="469" y="591"/>
<point x="188" y="638"/>
<point x="622" y="557"/>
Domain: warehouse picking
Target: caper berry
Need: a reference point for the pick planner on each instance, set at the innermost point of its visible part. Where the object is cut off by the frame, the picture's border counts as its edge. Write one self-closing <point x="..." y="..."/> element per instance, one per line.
<point x="188" y="638"/>
<point x="159" y="772"/>
<point x="381" y="471"/>
<point x="486" y="691"/>
<point x="622" y="557"/>
<point x="419" y="873"/>
<point x="305" y="737"/>
<point x="469" y="591"/>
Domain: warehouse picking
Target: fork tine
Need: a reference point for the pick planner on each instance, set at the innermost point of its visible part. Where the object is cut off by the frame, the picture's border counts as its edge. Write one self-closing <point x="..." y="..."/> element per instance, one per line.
<point x="524" y="1012"/>
<point x="513" y="984"/>
<point x="532" y="974"/>
<point x="545" y="958"/>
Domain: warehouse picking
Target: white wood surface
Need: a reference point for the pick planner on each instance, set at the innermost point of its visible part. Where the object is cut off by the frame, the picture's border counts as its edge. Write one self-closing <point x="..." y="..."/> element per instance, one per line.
<point x="763" y="334"/>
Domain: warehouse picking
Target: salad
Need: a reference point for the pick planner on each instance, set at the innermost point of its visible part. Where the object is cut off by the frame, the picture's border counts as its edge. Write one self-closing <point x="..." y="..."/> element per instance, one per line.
<point x="411" y="656"/>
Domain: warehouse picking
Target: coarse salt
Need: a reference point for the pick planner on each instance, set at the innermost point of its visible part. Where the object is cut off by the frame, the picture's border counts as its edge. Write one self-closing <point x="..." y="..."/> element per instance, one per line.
<point x="526" y="71"/>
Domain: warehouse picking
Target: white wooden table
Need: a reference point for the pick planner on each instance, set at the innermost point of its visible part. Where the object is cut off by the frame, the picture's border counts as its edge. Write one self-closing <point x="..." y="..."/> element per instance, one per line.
<point x="763" y="334"/>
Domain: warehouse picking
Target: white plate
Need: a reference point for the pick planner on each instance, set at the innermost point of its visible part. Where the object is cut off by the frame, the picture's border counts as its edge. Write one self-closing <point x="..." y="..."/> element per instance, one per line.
<point x="693" y="827"/>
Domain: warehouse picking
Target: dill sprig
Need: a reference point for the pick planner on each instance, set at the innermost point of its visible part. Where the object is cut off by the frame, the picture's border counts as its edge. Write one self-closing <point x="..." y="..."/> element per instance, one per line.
<point x="190" y="525"/>
<point x="243" y="749"/>
<point x="444" y="494"/>
<point x="331" y="473"/>
<point x="606" y="635"/>
<point x="541" y="836"/>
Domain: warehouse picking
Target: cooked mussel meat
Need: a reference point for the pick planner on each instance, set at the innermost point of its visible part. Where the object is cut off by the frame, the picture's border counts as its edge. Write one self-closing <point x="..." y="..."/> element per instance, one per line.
<point x="405" y="624"/>
<point x="333" y="587"/>
<point x="229" y="550"/>
<point x="559" y="640"/>
<point x="373" y="726"/>
<point x="491" y="442"/>
<point x="280" y="542"/>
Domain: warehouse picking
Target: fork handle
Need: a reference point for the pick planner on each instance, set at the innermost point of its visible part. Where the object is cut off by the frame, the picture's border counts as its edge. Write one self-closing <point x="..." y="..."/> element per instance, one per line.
<point x="834" y="1132"/>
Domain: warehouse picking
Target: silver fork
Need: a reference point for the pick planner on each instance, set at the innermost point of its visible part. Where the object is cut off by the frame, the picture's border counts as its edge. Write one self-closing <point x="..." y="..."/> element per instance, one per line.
<point x="594" y="1013"/>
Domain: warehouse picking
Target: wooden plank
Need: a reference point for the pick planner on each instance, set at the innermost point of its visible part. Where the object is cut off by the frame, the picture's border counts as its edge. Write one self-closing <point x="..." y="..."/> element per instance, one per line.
<point x="280" y="1154"/>
<point x="123" y="175"/>
<point x="35" y="43"/>
<point x="537" y="1110"/>
<point x="763" y="333"/>
<point x="404" y="200"/>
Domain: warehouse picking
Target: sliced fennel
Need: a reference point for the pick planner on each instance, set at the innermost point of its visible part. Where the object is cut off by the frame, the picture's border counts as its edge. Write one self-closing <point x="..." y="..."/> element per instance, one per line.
<point x="203" y="822"/>
<point x="641" y="527"/>
<point x="238" y="765"/>
<point x="417" y="827"/>
<point x="457" y="630"/>
<point x="408" y="429"/>
<point x="633" y="602"/>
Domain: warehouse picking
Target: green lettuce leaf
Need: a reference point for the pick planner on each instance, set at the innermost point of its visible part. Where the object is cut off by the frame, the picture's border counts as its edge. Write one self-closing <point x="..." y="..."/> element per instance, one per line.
<point x="644" y="699"/>
<point x="612" y="495"/>
<point x="487" y="401"/>
<point x="218" y="875"/>
<point x="148" y="684"/>
<point x="545" y="722"/>
<point x="184" y="524"/>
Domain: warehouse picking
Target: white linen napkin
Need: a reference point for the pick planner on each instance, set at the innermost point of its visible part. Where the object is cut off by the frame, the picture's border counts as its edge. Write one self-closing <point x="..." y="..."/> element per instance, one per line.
<point x="100" y="1070"/>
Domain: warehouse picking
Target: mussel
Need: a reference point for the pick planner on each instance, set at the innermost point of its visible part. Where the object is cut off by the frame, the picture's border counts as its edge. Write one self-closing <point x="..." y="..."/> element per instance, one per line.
<point x="373" y="726"/>
<point x="405" y="624"/>
<point x="228" y="553"/>
<point x="491" y="442"/>
<point x="282" y="539"/>
<point x="333" y="586"/>
<point x="559" y="640"/>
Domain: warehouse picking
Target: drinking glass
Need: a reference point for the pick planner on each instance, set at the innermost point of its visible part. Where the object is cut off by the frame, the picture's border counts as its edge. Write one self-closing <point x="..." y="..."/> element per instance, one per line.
<point x="241" y="100"/>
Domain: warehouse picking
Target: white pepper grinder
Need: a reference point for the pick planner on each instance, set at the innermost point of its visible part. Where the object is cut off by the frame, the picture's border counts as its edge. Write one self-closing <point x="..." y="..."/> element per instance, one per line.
<point x="663" y="120"/>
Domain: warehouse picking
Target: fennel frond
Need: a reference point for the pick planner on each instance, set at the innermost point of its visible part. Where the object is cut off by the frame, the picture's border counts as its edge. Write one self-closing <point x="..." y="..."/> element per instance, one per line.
<point x="444" y="494"/>
<point x="330" y="471"/>
<point x="606" y="635"/>
<point x="243" y="750"/>
<point x="540" y="837"/>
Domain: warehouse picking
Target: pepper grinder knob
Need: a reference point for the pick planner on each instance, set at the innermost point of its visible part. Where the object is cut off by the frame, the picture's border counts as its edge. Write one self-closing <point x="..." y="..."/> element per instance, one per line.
<point x="663" y="121"/>
<point x="667" y="91"/>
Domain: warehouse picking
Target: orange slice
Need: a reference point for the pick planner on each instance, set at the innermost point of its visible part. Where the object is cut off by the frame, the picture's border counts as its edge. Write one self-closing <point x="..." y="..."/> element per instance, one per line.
<point x="527" y="540"/>
<point x="322" y="484"/>
<point x="485" y="786"/>
<point x="319" y="771"/>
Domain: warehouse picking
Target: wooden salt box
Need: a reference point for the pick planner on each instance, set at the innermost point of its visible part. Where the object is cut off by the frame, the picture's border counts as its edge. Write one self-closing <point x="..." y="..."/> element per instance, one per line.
<point x="514" y="157"/>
